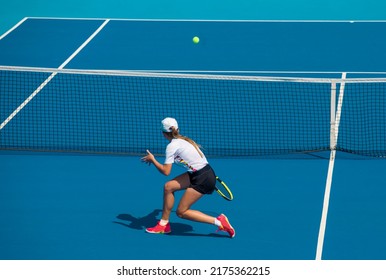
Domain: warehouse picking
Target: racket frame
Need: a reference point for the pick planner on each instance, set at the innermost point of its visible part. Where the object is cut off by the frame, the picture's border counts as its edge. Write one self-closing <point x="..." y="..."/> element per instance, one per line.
<point x="229" y="195"/>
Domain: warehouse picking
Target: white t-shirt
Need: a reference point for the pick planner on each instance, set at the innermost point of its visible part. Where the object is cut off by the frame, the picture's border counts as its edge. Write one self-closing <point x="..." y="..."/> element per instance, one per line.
<point x="184" y="154"/>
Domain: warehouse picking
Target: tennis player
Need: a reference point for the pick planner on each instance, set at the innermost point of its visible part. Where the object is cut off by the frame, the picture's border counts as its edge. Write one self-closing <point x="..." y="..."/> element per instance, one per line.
<point x="197" y="181"/>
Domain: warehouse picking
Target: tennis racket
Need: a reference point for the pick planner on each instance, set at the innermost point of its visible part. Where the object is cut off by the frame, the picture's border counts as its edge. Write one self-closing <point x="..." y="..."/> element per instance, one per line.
<point x="223" y="190"/>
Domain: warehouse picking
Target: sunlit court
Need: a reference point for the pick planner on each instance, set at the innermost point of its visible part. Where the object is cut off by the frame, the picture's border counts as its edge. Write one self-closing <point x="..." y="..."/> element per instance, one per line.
<point x="294" y="124"/>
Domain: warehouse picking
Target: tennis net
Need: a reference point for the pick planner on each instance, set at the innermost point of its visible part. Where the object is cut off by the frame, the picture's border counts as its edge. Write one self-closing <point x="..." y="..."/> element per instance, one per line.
<point x="119" y="112"/>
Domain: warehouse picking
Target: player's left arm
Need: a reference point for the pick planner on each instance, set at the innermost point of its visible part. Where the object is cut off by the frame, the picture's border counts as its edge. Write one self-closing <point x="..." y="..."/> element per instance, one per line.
<point x="165" y="169"/>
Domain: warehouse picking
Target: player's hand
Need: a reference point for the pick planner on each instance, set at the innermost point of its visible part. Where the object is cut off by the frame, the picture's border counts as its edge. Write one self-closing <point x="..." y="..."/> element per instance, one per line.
<point x="149" y="158"/>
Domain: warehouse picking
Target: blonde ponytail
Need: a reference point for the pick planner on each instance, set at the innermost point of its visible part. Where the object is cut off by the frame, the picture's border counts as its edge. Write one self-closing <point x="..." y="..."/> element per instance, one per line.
<point x="176" y="134"/>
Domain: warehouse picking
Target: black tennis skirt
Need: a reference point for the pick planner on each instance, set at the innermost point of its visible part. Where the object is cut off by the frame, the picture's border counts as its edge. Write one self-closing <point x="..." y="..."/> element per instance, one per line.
<point x="203" y="180"/>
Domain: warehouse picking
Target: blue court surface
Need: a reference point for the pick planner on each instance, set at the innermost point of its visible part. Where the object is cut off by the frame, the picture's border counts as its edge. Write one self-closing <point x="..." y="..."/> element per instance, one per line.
<point x="59" y="206"/>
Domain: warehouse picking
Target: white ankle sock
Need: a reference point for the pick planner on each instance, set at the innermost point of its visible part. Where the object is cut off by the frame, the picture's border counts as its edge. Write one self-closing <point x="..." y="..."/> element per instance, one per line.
<point x="163" y="222"/>
<point x="217" y="222"/>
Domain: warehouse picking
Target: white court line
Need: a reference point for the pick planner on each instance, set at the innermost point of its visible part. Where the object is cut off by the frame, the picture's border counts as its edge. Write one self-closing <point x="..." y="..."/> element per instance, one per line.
<point x="13" y="28"/>
<point x="22" y="105"/>
<point x="212" y="20"/>
<point x="323" y="221"/>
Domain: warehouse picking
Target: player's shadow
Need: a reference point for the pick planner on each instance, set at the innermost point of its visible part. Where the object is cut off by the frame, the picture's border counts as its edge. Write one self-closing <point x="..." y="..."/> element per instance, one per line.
<point x="139" y="223"/>
<point x="151" y="219"/>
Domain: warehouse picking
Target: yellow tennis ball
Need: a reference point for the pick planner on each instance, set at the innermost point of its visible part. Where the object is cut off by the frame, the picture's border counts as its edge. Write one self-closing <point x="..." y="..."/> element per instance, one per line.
<point x="196" y="40"/>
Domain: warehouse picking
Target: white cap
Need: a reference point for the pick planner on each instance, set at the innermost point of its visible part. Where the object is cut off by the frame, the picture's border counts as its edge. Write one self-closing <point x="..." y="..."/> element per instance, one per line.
<point x="168" y="123"/>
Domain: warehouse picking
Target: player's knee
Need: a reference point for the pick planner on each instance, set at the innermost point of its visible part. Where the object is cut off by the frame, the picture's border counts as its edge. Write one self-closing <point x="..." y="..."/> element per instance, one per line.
<point x="168" y="187"/>
<point x="181" y="212"/>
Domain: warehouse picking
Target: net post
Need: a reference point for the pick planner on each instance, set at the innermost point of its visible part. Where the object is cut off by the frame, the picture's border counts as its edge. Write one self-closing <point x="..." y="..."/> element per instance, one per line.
<point x="332" y="117"/>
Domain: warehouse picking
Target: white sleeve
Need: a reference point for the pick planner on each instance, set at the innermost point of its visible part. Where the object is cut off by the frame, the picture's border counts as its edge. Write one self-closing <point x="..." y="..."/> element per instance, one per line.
<point x="170" y="151"/>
